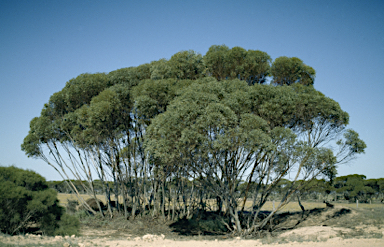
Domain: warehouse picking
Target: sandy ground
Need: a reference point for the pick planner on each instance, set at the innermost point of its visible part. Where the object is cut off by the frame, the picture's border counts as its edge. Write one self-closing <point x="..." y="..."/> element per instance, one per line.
<point x="333" y="242"/>
<point x="239" y="243"/>
<point x="306" y="236"/>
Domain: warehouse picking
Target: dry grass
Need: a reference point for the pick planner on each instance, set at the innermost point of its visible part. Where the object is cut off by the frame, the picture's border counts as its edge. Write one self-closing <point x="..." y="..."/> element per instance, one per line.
<point x="366" y="221"/>
<point x="63" y="198"/>
<point x="308" y="205"/>
<point x="290" y="207"/>
<point x="291" y="216"/>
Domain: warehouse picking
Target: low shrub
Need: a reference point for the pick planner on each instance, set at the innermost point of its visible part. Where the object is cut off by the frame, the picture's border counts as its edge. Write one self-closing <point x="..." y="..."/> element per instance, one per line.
<point x="68" y="225"/>
<point x="26" y="201"/>
<point x="72" y="206"/>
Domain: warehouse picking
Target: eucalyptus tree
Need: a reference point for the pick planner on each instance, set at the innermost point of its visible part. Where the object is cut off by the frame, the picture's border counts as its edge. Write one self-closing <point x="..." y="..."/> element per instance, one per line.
<point x="48" y="138"/>
<point x="209" y="122"/>
<point x="215" y="61"/>
<point x="152" y="98"/>
<point x="201" y="131"/>
<point x="85" y="126"/>
<point x="237" y="63"/>
<point x="380" y="189"/>
<point x="130" y="76"/>
<point x="186" y="65"/>
<point x="227" y="131"/>
<point x="289" y="70"/>
<point x="354" y="187"/>
<point x="314" y="121"/>
<point x="160" y="70"/>
<point x="256" y="67"/>
<point x="102" y="130"/>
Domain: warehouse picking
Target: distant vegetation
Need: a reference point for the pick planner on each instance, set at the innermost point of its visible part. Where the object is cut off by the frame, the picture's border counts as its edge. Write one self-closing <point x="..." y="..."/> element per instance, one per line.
<point x="344" y="188"/>
<point x="171" y="134"/>
<point x="349" y="188"/>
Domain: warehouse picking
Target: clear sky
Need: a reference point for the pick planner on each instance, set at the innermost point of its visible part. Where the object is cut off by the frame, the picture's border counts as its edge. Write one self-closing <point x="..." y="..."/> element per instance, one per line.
<point x="43" y="44"/>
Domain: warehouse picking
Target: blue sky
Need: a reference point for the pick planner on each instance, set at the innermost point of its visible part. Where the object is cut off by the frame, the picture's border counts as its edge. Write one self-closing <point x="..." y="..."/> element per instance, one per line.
<point x="43" y="44"/>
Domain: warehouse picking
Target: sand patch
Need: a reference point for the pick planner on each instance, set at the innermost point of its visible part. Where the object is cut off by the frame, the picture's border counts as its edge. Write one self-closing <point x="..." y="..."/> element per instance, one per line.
<point x="315" y="232"/>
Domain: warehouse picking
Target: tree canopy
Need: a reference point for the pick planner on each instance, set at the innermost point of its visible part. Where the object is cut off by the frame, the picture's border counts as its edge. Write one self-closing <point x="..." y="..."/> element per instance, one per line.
<point x="213" y="120"/>
<point x="289" y="70"/>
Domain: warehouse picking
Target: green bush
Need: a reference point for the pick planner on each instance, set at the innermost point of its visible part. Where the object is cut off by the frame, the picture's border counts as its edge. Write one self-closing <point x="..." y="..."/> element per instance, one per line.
<point x="26" y="201"/>
<point x="68" y="225"/>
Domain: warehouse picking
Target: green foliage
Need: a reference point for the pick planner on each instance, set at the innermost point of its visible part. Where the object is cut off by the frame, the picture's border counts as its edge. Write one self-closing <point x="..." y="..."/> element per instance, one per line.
<point x="256" y="67"/>
<point x="354" y="187"/>
<point x="207" y="119"/>
<point x="57" y="117"/>
<point x="216" y="61"/>
<point x="129" y="77"/>
<point x="153" y="97"/>
<point x="160" y="70"/>
<point x="352" y="143"/>
<point x="68" y="225"/>
<point x="380" y="188"/>
<point x="215" y="136"/>
<point x="24" y="199"/>
<point x="237" y="63"/>
<point x="186" y="65"/>
<point x="317" y="189"/>
<point x="286" y="71"/>
<point x="107" y="115"/>
<point x="78" y="92"/>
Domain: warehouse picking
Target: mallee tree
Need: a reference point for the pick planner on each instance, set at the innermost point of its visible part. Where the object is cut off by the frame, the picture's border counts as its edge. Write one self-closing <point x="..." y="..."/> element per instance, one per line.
<point x="208" y="122"/>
